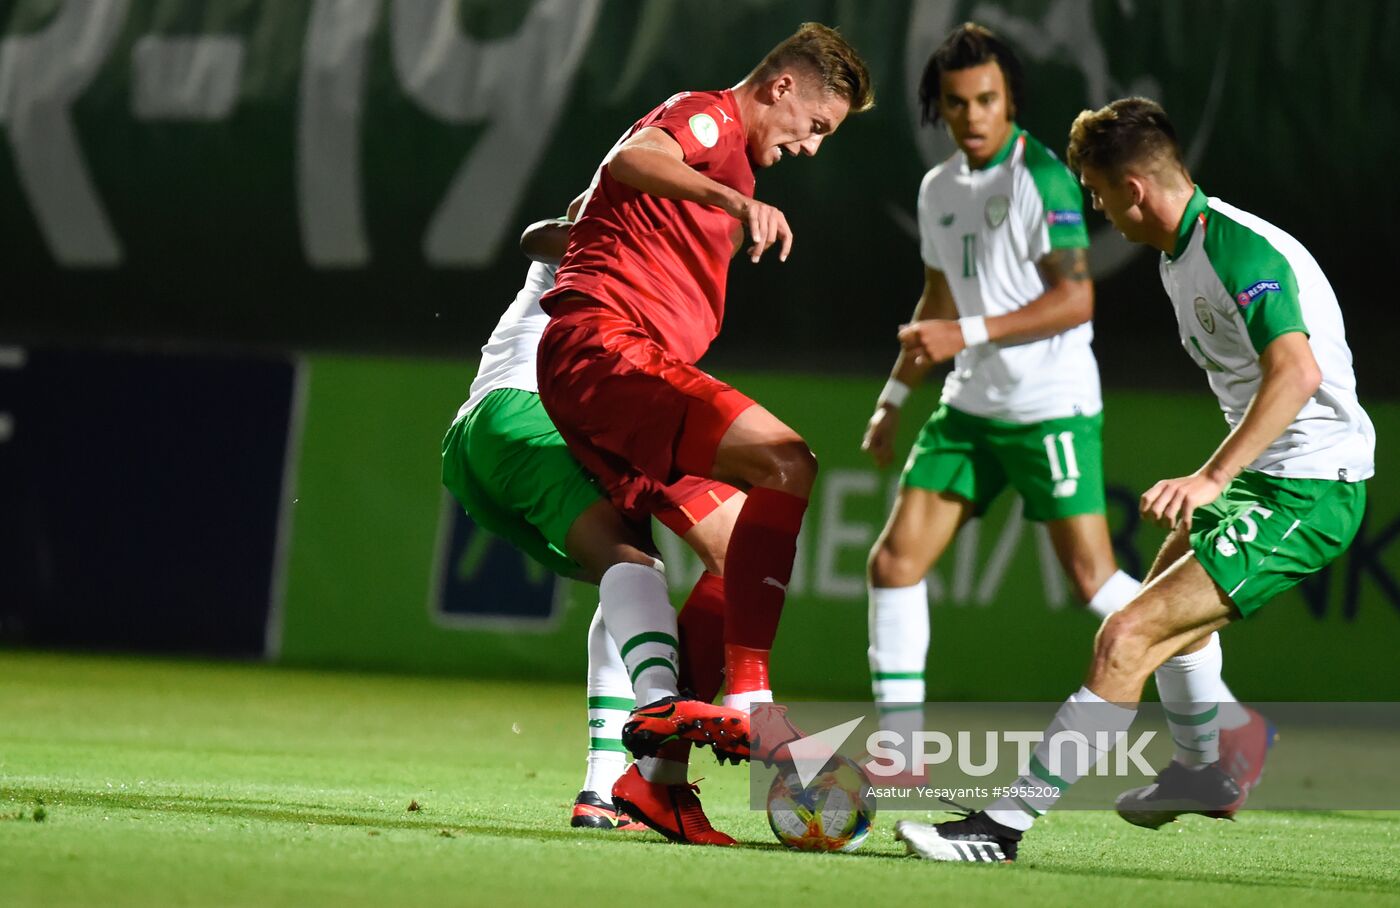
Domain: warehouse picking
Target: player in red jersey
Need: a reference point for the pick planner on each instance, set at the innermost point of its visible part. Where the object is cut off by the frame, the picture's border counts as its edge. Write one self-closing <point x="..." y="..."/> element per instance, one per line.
<point x="637" y="300"/>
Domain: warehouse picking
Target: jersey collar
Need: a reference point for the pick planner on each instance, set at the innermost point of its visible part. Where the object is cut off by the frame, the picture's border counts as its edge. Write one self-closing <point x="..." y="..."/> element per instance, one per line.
<point x="1004" y="153"/>
<point x="1195" y="211"/>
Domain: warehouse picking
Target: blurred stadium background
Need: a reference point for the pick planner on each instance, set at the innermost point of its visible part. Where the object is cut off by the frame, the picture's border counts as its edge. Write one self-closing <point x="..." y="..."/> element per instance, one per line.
<point x="250" y="250"/>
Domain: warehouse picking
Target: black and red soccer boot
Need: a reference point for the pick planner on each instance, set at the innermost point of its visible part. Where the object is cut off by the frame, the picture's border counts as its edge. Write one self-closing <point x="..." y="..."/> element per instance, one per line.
<point x="592" y="812"/>
<point x="682" y="718"/>
<point x="1208" y="791"/>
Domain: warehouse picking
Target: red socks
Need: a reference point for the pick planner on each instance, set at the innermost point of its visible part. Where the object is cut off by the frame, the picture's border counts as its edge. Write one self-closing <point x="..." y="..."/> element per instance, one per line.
<point x="701" y="625"/>
<point x="757" y="567"/>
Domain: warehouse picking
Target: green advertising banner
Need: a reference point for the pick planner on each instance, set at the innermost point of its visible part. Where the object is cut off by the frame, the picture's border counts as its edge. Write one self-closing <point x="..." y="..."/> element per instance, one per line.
<point x="351" y="175"/>
<point x="373" y="580"/>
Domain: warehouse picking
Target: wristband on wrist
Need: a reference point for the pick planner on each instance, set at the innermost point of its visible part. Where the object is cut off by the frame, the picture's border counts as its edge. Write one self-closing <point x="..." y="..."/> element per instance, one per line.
<point x="893" y="394"/>
<point x="974" y="330"/>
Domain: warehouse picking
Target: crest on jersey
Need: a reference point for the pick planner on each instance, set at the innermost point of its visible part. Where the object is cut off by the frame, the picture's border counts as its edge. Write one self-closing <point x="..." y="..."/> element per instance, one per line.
<point x="705" y="129"/>
<point x="997" y="207"/>
<point x="1204" y="315"/>
<point x="947" y="219"/>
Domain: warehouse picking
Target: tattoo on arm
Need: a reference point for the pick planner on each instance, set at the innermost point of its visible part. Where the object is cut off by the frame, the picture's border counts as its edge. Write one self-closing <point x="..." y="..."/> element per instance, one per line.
<point x="1064" y="265"/>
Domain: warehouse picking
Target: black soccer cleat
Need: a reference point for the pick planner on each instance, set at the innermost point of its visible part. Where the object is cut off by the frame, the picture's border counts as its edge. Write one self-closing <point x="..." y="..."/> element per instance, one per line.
<point x="592" y="812"/>
<point x="976" y="838"/>
<point x="1208" y="791"/>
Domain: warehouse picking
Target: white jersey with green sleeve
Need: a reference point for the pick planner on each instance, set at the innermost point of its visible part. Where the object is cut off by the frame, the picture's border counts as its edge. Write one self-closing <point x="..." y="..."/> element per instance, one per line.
<point x="985" y="229"/>
<point x="1238" y="282"/>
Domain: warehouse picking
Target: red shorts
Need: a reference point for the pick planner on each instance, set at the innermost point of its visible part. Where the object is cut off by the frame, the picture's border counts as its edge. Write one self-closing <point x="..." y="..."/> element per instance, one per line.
<point x="629" y="411"/>
<point x="683" y="504"/>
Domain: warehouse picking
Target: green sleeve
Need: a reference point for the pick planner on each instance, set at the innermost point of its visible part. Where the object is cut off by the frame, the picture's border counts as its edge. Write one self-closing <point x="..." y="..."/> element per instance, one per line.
<point x="1061" y="196"/>
<point x="1257" y="277"/>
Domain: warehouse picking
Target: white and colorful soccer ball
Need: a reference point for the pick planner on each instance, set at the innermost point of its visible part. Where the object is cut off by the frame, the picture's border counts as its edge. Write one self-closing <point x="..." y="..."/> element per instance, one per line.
<point x="830" y="813"/>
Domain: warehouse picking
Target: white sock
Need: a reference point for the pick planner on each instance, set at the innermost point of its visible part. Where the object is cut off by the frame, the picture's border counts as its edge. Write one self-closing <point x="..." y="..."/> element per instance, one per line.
<point x="1190" y="687"/>
<point x="1116" y="592"/>
<point x="898" y="628"/>
<point x="662" y="772"/>
<point x="1092" y="717"/>
<point x="604" y="768"/>
<point x="642" y="623"/>
<point x="747" y="699"/>
<point x="899" y="638"/>
<point x="609" y="702"/>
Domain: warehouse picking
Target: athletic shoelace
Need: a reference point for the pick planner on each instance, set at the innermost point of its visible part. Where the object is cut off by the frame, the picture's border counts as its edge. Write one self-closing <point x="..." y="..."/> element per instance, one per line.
<point x="692" y="815"/>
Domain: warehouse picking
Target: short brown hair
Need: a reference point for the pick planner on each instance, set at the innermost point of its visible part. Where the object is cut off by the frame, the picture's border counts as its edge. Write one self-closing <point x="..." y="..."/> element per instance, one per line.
<point x="821" y="49"/>
<point x="1127" y="132"/>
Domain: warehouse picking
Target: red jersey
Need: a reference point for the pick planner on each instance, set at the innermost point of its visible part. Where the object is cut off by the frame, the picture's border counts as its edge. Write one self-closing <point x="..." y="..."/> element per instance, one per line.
<point x="663" y="263"/>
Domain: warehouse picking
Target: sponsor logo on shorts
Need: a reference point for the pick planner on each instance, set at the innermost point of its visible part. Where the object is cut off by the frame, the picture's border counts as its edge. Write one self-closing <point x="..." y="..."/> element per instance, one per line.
<point x="1066" y="218"/>
<point x="1245" y="297"/>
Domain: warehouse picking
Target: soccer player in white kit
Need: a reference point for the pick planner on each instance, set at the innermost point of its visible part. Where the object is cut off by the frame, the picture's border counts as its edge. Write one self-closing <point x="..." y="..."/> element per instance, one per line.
<point x="1279" y="499"/>
<point x="1007" y="296"/>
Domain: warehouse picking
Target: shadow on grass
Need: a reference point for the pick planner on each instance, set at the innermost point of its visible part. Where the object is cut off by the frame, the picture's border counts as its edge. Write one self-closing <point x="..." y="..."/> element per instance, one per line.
<point x="235" y="808"/>
<point x="271" y="811"/>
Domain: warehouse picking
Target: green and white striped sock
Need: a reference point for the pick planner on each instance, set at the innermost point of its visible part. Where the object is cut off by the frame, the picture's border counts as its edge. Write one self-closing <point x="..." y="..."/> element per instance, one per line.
<point x="642" y="623"/>
<point x="1049" y="776"/>
<point x="609" y="703"/>
<point x="1190" y="689"/>
<point x="899" y="634"/>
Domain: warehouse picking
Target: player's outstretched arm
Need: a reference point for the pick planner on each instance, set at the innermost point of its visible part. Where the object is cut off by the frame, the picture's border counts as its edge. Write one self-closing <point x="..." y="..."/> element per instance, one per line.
<point x="651" y="161"/>
<point x="936" y="302"/>
<point x="1290" y="377"/>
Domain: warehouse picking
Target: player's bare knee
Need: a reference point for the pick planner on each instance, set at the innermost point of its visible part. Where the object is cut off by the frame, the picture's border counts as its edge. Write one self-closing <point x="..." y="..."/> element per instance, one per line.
<point x="713" y="561"/>
<point x="789" y="466"/>
<point x="1121" y="645"/>
<point x="887" y="568"/>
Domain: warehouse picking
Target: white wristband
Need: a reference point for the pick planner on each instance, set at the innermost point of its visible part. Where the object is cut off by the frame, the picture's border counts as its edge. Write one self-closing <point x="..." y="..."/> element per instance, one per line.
<point x="893" y="394"/>
<point x="974" y="330"/>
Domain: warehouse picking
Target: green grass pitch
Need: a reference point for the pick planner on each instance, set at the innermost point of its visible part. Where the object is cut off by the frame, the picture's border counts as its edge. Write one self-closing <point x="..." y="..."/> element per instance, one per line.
<point x="178" y="783"/>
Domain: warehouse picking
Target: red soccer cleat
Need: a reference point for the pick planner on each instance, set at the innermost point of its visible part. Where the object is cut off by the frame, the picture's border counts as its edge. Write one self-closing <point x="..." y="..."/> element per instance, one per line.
<point x="672" y="810"/>
<point x="592" y="812"/>
<point x="1243" y="751"/>
<point x="680" y="718"/>
<point x="771" y="733"/>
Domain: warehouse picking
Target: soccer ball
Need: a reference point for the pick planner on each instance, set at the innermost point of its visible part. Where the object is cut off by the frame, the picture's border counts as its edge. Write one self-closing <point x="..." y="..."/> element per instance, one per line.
<point x="832" y="813"/>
